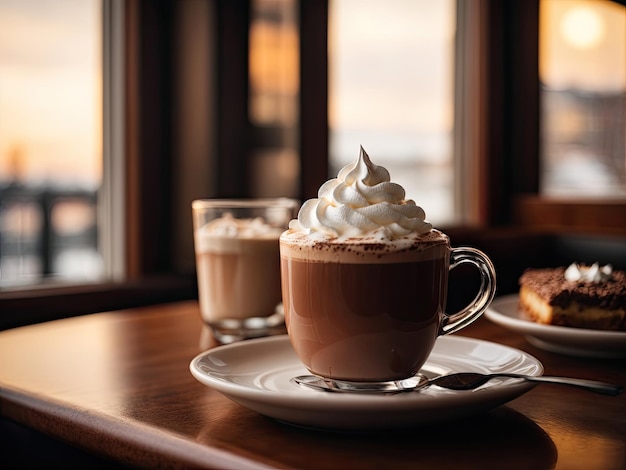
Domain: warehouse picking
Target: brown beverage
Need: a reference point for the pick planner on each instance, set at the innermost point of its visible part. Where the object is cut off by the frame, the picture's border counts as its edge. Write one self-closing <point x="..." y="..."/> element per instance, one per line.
<point x="364" y="313"/>
<point x="238" y="278"/>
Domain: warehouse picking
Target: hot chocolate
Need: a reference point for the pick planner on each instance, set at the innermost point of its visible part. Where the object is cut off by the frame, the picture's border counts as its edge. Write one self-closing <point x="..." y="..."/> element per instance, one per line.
<point x="378" y="309"/>
<point x="238" y="264"/>
<point x="365" y="279"/>
<point x="229" y="274"/>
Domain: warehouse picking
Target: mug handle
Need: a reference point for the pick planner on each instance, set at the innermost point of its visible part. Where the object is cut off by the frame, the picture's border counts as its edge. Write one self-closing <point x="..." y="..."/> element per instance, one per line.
<point x="486" y="293"/>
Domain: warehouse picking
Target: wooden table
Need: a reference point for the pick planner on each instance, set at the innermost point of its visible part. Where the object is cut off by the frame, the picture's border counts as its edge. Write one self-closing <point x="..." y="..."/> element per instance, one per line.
<point x="118" y="385"/>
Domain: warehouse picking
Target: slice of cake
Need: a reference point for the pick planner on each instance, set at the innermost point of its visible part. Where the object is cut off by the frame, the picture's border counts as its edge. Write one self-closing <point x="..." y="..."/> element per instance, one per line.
<point x="579" y="296"/>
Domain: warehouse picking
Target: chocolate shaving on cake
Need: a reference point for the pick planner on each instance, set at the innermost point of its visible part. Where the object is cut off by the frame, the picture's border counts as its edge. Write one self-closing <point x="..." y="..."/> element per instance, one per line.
<point x="552" y="286"/>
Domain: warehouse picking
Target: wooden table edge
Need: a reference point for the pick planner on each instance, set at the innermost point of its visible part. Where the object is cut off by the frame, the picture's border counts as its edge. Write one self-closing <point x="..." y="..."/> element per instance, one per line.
<point x="126" y="441"/>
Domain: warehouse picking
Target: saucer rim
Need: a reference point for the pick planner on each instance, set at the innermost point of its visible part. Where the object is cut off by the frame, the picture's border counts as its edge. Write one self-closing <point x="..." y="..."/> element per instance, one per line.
<point x="341" y="411"/>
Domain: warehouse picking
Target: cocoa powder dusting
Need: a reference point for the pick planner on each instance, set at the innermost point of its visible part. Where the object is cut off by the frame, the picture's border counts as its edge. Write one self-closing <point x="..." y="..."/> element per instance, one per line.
<point x="552" y="286"/>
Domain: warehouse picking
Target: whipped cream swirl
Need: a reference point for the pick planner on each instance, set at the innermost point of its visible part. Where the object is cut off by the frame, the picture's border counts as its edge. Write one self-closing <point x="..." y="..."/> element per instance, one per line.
<point x="361" y="201"/>
<point x="594" y="273"/>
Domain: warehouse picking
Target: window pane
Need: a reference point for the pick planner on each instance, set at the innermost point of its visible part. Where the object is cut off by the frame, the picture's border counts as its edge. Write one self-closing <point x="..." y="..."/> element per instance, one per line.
<point x="50" y="139"/>
<point x="583" y="76"/>
<point x="274" y="81"/>
<point x="391" y="90"/>
<point x="273" y="101"/>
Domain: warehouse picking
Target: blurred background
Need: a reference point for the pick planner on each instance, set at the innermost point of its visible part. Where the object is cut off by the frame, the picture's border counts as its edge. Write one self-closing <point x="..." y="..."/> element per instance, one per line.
<point x="115" y="115"/>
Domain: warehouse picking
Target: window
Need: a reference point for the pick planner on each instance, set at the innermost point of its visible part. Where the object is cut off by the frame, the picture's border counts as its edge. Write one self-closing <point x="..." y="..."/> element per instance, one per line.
<point x="50" y="141"/>
<point x="135" y="242"/>
<point x="274" y="84"/>
<point x="583" y="95"/>
<point x="391" y="89"/>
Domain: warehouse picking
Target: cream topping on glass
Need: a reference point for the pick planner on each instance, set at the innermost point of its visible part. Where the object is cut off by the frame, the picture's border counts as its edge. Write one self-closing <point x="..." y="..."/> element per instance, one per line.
<point x="594" y="273"/>
<point x="361" y="202"/>
<point x="223" y="234"/>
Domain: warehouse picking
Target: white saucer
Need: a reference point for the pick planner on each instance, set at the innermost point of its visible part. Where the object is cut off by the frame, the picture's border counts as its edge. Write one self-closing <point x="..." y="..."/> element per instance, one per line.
<point x="560" y="339"/>
<point x="256" y="374"/>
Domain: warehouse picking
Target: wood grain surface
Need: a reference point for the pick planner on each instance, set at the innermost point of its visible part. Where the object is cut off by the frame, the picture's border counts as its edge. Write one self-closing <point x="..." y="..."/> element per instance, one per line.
<point x="117" y="384"/>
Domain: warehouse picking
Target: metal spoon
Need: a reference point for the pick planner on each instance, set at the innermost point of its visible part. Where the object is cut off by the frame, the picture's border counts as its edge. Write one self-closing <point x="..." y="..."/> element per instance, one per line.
<point x="456" y="381"/>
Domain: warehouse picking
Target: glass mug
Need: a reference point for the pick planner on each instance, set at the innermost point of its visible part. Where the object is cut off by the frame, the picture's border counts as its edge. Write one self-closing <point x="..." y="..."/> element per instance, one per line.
<point x="238" y="264"/>
<point x="373" y="317"/>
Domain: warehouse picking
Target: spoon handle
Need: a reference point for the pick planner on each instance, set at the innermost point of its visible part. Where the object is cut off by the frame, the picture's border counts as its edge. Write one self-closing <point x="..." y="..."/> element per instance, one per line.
<point x="585" y="384"/>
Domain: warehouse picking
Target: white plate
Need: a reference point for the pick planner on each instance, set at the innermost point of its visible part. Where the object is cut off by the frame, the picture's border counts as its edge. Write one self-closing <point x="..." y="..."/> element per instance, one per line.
<point x="256" y="374"/>
<point x="560" y="339"/>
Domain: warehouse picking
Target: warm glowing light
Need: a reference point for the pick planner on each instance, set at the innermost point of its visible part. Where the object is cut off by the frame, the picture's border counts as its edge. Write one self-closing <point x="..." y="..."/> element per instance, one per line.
<point x="583" y="45"/>
<point x="582" y="27"/>
<point x="51" y="92"/>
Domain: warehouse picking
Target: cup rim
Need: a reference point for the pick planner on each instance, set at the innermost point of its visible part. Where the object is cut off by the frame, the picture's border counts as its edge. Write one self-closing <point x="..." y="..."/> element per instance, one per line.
<point x="278" y="202"/>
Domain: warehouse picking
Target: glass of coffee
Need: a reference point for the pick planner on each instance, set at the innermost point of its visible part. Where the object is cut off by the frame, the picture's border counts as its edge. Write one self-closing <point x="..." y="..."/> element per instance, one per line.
<point x="365" y="280"/>
<point x="238" y="265"/>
